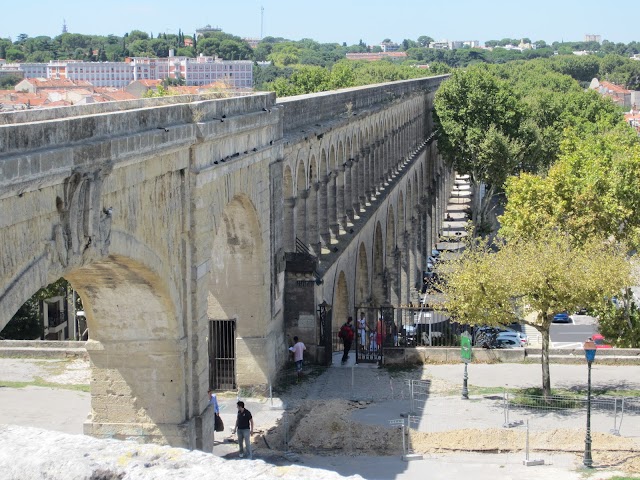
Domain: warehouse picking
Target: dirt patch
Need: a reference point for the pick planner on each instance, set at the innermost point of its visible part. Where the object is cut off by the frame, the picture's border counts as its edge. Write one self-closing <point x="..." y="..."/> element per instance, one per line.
<point x="503" y="440"/>
<point x="325" y="427"/>
<point x="627" y="462"/>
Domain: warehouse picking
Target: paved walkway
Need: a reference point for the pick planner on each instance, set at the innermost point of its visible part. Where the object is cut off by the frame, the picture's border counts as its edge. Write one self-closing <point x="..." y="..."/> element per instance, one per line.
<point x="66" y="410"/>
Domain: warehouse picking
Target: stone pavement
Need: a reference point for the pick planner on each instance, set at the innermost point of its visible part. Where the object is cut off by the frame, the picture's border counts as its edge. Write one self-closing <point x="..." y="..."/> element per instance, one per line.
<point x="65" y="410"/>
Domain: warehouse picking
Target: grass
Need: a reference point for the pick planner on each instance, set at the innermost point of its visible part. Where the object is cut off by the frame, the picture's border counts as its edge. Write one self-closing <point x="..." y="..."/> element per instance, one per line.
<point x="39" y="382"/>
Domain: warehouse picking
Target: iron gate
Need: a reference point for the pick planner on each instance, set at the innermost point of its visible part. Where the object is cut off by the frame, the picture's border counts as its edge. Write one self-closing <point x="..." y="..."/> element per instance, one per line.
<point x="388" y="326"/>
<point x="222" y="354"/>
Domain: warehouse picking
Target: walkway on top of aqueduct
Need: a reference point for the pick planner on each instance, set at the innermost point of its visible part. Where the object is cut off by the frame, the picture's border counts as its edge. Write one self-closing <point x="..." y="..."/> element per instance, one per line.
<point x="168" y="215"/>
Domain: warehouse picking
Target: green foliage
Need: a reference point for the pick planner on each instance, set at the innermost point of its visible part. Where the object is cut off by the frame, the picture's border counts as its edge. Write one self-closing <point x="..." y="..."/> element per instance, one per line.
<point x="27" y="323"/>
<point x="592" y="189"/>
<point x="9" y="81"/>
<point x="304" y="79"/>
<point x="530" y="279"/>
<point x="620" y="323"/>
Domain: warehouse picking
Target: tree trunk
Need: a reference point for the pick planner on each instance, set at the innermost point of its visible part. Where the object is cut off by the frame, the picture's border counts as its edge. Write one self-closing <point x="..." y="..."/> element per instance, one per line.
<point x="546" y="377"/>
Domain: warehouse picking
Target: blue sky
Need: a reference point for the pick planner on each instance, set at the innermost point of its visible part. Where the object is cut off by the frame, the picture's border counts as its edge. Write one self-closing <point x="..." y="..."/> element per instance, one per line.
<point x="330" y="20"/>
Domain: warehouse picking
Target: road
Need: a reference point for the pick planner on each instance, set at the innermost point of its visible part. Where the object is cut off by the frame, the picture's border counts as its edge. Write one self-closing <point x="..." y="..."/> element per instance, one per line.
<point x="566" y="335"/>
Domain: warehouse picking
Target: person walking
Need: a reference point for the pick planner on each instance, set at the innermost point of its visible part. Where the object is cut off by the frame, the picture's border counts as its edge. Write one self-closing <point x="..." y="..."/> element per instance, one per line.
<point x="213" y="401"/>
<point x="244" y="427"/>
<point x="346" y="333"/>
<point x="298" y="353"/>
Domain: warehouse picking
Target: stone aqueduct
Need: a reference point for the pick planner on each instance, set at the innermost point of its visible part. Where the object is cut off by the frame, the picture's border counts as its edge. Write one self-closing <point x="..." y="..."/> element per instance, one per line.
<point x="165" y="214"/>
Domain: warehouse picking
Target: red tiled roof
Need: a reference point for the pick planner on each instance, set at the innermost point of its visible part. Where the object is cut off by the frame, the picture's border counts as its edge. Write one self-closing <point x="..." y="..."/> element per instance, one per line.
<point x="148" y="83"/>
<point x="613" y="88"/>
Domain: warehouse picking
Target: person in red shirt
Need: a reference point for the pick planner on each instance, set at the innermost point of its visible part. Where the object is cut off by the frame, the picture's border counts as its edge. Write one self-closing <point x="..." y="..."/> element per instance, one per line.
<point x="346" y="334"/>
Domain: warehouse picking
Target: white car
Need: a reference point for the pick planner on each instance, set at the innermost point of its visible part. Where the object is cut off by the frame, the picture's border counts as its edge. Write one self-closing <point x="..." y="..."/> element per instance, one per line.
<point x="512" y="334"/>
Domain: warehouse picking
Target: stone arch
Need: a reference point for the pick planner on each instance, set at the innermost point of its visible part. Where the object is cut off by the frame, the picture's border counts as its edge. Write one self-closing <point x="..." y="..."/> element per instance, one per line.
<point x="301" y="203"/>
<point x="391" y="267"/>
<point x="378" y="282"/>
<point x="288" y="225"/>
<point x="137" y="358"/>
<point x="341" y="309"/>
<point x="312" y="206"/>
<point x="236" y="286"/>
<point x="362" y="277"/>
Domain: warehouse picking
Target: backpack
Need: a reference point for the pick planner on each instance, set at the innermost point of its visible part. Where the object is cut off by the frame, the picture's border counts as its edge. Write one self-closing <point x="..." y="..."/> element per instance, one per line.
<point x="345" y="332"/>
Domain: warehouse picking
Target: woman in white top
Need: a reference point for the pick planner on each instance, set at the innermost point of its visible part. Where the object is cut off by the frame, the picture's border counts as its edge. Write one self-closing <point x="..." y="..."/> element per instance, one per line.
<point x="362" y="324"/>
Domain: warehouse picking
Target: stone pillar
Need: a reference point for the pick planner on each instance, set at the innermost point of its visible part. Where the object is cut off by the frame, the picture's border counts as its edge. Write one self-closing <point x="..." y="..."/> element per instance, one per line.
<point x="404" y="267"/>
<point x="341" y="214"/>
<point x="348" y="192"/>
<point x="301" y="216"/>
<point x="332" y="217"/>
<point x="355" y="182"/>
<point x="312" y="208"/>
<point x="371" y="175"/>
<point x="413" y="247"/>
<point x="137" y="391"/>
<point x="288" y="225"/>
<point x="363" y="178"/>
<point x="323" y="213"/>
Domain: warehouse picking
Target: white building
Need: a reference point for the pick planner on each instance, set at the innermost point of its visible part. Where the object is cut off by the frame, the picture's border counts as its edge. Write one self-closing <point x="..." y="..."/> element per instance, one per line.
<point x="195" y="71"/>
<point x="99" y="74"/>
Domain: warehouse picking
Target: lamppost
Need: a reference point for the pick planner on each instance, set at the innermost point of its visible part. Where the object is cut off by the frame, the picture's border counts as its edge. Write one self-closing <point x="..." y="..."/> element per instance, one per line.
<point x="590" y="354"/>
<point x="465" y="356"/>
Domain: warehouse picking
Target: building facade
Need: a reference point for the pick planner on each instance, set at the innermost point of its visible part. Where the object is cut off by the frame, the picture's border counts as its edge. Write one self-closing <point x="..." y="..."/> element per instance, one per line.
<point x="195" y="71"/>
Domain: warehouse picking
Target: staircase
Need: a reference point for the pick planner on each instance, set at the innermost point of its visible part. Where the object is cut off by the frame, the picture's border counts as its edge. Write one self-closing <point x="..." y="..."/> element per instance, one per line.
<point x="453" y="230"/>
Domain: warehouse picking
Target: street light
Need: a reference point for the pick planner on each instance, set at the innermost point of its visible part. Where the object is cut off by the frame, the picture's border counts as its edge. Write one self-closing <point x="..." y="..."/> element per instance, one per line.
<point x="590" y="355"/>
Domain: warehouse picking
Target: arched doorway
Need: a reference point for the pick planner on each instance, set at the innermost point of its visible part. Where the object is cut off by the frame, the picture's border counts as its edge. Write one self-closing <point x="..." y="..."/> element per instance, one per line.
<point x="237" y="303"/>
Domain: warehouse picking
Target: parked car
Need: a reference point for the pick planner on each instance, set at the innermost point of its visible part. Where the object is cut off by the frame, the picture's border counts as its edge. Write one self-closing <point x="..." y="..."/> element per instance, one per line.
<point x="562" y="317"/>
<point x="519" y="336"/>
<point x="600" y="341"/>
<point x="507" y="342"/>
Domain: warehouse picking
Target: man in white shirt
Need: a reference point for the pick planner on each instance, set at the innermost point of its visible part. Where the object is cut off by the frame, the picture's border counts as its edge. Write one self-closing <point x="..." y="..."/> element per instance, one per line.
<point x="298" y="352"/>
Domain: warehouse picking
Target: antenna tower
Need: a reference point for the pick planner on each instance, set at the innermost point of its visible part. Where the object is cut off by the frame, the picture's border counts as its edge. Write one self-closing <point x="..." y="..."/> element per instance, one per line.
<point x="261" y="21"/>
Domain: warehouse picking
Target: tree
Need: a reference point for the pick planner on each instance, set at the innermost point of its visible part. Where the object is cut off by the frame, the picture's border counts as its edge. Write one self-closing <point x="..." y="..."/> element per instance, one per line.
<point x="530" y="280"/>
<point x="619" y="321"/>
<point x="27" y="323"/>
<point x="590" y="190"/>
<point x="424" y="40"/>
<point x="478" y="118"/>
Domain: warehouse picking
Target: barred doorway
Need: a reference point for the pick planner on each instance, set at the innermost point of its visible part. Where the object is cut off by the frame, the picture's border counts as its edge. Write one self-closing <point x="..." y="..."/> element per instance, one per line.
<point x="222" y="354"/>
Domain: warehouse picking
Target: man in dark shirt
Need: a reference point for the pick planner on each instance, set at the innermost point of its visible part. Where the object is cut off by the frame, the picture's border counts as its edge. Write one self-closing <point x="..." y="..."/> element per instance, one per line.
<point x="244" y="426"/>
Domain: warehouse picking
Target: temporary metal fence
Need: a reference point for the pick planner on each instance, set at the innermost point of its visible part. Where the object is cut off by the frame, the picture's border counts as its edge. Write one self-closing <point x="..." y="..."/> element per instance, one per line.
<point x="608" y="413"/>
<point x="418" y="395"/>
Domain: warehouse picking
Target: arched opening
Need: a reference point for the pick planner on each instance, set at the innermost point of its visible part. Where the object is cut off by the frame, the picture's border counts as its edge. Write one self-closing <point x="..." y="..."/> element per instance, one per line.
<point x="378" y="281"/>
<point x="362" y="278"/>
<point x="301" y="203"/>
<point x="393" y="288"/>
<point x="237" y="295"/>
<point x="288" y="226"/>
<point x="312" y="207"/>
<point x="341" y="308"/>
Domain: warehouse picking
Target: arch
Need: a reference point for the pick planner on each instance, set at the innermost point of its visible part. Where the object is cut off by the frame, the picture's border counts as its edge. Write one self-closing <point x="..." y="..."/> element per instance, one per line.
<point x="391" y="267"/>
<point x="378" y="281"/>
<point x="362" y="277"/>
<point x="236" y="286"/>
<point x="341" y="308"/>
